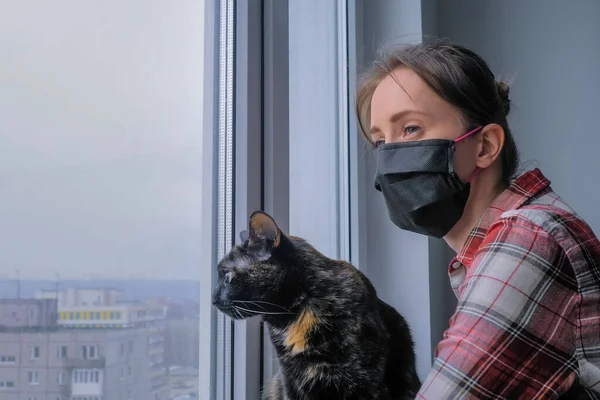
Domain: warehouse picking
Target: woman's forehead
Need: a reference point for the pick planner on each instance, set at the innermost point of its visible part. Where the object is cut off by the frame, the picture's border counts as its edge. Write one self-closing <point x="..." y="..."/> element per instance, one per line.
<point x="403" y="90"/>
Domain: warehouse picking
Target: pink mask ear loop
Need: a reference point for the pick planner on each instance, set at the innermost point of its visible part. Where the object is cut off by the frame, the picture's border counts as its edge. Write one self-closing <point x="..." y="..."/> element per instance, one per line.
<point x="466" y="135"/>
<point x="474" y="174"/>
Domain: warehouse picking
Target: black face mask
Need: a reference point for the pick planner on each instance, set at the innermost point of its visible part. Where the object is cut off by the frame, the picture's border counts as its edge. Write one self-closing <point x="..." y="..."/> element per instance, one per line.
<point x="422" y="192"/>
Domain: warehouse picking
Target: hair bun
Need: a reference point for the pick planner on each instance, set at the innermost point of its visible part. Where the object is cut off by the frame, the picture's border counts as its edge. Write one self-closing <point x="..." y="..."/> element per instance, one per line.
<point x="503" y="93"/>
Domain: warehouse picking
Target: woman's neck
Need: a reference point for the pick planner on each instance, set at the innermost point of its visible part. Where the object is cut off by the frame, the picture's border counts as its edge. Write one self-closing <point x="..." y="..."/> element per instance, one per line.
<point x="484" y="189"/>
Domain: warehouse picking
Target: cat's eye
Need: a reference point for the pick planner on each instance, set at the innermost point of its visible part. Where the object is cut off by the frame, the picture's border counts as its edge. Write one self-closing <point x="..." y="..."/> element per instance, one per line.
<point x="228" y="277"/>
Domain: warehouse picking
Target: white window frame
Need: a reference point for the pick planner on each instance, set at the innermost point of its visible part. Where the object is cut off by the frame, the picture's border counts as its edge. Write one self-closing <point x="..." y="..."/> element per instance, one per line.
<point x="33" y="378"/>
<point x="8" y="359"/>
<point x="32" y="352"/>
<point x="60" y="378"/>
<point x="248" y="106"/>
<point x="86" y="352"/>
<point x="59" y="351"/>
<point x="234" y="151"/>
<point x="207" y="249"/>
<point x="276" y="143"/>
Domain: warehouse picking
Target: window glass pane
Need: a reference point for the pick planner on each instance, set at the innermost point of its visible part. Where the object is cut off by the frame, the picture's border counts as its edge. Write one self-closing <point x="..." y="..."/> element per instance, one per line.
<point x="101" y="114"/>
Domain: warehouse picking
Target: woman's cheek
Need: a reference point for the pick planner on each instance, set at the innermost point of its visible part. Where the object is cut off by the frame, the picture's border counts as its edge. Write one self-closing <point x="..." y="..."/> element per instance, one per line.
<point x="465" y="161"/>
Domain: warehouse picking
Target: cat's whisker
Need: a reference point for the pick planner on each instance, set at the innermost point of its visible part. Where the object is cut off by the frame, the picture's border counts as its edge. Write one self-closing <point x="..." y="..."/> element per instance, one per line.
<point x="238" y="314"/>
<point x="242" y="313"/>
<point x="252" y="304"/>
<point x="257" y="302"/>
<point x="258" y="312"/>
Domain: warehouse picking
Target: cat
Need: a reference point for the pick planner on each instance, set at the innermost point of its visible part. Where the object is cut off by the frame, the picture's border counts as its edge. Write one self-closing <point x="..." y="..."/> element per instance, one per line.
<point x="334" y="337"/>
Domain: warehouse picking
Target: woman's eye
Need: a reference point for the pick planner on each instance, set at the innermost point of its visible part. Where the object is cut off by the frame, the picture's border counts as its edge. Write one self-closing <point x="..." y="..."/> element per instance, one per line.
<point x="228" y="276"/>
<point x="411" y="130"/>
<point x="378" y="143"/>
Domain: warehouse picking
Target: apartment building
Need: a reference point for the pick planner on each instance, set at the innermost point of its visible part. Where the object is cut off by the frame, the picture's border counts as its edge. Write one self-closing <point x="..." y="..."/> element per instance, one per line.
<point x="105" y="308"/>
<point x="41" y="360"/>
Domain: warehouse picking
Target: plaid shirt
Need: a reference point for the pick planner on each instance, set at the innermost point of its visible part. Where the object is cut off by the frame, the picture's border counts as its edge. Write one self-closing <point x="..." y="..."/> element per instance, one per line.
<point x="527" y="323"/>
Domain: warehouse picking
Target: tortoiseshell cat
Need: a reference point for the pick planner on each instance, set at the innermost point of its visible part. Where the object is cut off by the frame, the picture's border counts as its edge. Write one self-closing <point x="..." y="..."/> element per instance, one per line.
<point x="335" y="339"/>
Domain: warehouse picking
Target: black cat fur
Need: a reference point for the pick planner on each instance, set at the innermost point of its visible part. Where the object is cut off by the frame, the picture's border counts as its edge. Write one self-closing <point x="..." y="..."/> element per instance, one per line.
<point x="335" y="339"/>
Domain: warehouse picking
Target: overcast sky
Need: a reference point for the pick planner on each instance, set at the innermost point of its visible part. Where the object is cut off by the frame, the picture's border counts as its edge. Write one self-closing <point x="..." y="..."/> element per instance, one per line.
<point x="100" y="124"/>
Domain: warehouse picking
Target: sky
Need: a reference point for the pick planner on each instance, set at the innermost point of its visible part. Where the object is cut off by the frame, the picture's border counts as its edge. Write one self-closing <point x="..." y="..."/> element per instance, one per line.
<point x="100" y="138"/>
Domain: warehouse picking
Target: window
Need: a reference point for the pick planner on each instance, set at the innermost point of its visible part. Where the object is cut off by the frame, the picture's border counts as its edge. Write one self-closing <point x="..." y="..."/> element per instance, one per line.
<point x="89" y="352"/>
<point x="61" y="351"/>
<point x="33" y="377"/>
<point x="34" y="352"/>
<point x="60" y="377"/>
<point x="8" y="359"/>
<point x="85" y="376"/>
<point x="106" y="118"/>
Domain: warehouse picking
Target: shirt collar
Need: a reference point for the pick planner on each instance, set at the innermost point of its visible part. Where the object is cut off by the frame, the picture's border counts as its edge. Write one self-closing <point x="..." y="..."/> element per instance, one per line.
<point x="525" y="187"/>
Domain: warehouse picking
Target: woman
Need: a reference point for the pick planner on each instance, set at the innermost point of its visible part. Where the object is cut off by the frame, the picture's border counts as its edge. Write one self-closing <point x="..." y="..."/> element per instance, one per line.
<point x="526" y="274"/>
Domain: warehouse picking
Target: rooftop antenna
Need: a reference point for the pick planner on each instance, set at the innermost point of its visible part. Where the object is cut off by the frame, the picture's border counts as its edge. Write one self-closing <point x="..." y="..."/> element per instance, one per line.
<point x="18" y="284"/>
<point x="57" y="286"/>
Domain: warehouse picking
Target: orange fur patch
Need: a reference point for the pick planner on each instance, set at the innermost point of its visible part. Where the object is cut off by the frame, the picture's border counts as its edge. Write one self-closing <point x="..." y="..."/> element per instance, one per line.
<point x="298" y="331"/>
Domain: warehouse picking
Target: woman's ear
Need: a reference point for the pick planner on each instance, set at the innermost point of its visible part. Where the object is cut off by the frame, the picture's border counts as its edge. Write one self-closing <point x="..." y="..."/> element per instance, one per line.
<point x="491" y="144"/>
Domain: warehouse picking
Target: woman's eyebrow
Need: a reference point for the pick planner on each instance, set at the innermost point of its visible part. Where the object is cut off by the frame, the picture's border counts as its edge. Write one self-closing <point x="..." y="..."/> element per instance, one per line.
<point x="396" y="117"/>
<point x="406" y="113"/>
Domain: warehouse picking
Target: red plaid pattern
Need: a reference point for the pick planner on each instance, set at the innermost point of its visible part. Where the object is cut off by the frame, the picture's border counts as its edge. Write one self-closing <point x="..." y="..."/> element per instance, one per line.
<point x="527" y="324"/>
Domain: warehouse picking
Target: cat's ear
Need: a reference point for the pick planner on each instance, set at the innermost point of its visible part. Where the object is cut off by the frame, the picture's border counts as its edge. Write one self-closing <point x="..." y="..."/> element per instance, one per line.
<point x="244" y="236"/>
<point x="262" y="229"/>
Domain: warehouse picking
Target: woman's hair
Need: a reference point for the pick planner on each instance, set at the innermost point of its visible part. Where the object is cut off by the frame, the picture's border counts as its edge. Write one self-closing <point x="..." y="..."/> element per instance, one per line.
<point x="457" y="75"/>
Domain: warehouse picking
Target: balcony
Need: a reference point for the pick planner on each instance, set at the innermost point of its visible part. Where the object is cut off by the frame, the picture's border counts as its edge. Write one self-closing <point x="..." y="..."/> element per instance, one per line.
<point x="80" y="363"/>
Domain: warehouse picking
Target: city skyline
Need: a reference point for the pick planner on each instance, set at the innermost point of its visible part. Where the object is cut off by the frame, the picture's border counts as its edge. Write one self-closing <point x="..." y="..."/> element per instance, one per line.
<point x="94" y="344"/>
<point x="134" y="290"/>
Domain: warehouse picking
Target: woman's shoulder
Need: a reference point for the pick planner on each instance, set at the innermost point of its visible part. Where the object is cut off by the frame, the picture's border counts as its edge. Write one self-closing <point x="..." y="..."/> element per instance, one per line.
<point x="550" y="213"/>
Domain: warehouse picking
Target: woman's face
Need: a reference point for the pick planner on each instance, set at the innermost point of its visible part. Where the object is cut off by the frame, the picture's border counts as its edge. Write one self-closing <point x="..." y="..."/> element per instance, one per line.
<point x="404" y="108"/>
